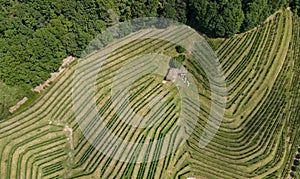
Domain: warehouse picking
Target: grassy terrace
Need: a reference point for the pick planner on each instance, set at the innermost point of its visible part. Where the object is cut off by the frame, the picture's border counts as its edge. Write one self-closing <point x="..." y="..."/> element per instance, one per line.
<point x="258" y="137"/>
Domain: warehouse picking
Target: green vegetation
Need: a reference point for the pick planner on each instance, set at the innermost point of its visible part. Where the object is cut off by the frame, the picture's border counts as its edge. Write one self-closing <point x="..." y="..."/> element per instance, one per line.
<point x="217" y="19"/>
<point x="6" y="98"/>
<point x="36" y="35"/>
<point x="256" y="11"/>
<point x="223" y="18"/>
<point x="259" y="135"/>
<point x="9" y="96"/>
<point x="176" y="62"/>
<point x="295" y="5"/>
<point x="179" y="49"/>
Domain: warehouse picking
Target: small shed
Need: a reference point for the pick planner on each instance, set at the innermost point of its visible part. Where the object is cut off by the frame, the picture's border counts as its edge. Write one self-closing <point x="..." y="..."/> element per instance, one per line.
<point x="174" y="72"/>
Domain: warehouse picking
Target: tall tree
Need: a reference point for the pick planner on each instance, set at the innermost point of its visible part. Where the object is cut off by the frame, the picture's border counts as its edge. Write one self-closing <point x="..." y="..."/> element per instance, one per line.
<point x="295" y="5"/>
<point x="216" y="18"/>
<point x="256" y="11"/>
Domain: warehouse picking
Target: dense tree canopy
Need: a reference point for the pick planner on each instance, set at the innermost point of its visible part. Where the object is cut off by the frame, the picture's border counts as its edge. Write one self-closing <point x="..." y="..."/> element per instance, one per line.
<point x="257" y="11"/>
<point x="216" y="18"/>
<point x="295" y="5"/>
<point x="35" y="35"/>
<point x="176" y="62"/>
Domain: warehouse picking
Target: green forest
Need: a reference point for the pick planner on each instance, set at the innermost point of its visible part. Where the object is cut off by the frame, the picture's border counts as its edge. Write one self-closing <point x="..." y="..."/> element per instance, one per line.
<point x="35" y="35"/>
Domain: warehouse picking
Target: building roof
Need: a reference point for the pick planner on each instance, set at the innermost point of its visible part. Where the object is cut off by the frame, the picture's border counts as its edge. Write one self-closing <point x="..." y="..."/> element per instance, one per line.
<point x="182" y="71"/>
<point x="174" y="72"/>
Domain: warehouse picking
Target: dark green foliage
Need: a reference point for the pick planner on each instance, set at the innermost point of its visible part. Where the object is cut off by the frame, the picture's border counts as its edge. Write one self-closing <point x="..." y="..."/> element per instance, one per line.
<point x="124" y="28"/>
<point x="223" y="18"/>
<point x="179" y="49"/>
<point x="295" y="5"/>
<point x="36" y="35"/>
<point x="216" y="18"/>
<point x="292" y="174"/>
<point x="130" y="9"/>
<point x="176" y="62"/>
<point x="173" y="9"/>
<point x="180" y="58"/>
<point x="256" y="11"/>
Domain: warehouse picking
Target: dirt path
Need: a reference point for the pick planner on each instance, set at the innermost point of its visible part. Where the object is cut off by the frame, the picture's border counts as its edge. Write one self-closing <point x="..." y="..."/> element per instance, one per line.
<point x="66" y="62"/>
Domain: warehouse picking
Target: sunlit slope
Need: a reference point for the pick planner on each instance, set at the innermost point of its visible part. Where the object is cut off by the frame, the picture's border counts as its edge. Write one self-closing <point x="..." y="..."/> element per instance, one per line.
<point x="258" y="136"/>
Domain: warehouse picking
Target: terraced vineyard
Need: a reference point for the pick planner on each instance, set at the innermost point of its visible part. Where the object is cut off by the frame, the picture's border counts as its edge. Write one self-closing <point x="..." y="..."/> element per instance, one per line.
<point x="258" y="136"/>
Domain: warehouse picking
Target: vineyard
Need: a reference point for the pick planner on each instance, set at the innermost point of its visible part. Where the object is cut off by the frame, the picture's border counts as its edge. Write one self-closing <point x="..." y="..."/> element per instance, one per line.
<point x="258" y="136"/>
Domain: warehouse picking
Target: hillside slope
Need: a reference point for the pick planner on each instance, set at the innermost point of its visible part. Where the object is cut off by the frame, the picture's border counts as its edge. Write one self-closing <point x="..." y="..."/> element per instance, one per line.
<point x="258" y="137"/>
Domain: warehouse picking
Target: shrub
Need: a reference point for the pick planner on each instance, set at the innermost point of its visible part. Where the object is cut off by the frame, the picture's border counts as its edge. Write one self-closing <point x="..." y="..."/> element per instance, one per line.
<point x="296" y="162"/>
<point x="180" y="49"/>
<point x="180" y="58"/>
<point x="176" y="62"/>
